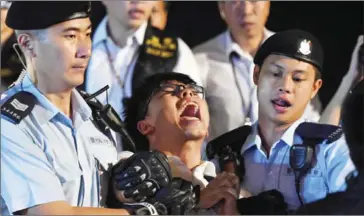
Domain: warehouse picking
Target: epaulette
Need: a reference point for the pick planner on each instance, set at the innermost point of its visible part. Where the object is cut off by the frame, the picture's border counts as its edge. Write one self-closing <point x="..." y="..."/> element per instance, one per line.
<point x="234" y="139"/>
<point x="319" y="132"/>
<point x="18" y="106"/>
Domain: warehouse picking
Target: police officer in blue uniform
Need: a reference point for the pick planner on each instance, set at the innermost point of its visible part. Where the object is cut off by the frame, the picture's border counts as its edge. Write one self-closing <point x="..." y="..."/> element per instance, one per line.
<point x="54" y="159"/>
<point x="303" y="161"/>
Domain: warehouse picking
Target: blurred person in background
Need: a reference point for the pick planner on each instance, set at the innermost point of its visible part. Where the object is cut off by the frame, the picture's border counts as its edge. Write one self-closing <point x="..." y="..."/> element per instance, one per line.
<point x="122" y="44"/>
<point x="226" y="66"/>
<point x="160" y="14"/>
<point x="11" y="66"/>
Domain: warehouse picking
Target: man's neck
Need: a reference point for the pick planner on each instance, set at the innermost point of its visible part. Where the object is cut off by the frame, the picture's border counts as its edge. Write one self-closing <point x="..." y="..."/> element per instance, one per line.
<point x="249" y="45"/>
<point x="61" y="98"/>
<point x="118" y="32"/>
<point x="270" y="132"/>
<point x="189" y="152"/>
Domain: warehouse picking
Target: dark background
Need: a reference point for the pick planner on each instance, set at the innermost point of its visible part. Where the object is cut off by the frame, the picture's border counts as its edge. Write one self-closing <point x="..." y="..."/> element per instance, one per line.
<point x="336" y="24"/>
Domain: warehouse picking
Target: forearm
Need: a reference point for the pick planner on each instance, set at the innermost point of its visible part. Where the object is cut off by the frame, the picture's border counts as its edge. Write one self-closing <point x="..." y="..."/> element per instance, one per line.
<point x="98" y="211"/>
<point x="332" y="112"/>
<point x="63" y="208"/>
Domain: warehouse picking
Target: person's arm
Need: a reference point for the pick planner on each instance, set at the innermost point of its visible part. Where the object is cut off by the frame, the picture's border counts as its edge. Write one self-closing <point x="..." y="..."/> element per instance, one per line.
<point x="332" y="112"/>
<point x="63" y="208"/>
<point x="29" y="184"/>
<point x="186" y="63"/>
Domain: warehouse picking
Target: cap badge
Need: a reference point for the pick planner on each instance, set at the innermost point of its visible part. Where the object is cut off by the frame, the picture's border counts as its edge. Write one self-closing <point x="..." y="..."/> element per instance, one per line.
<point x="305" y="47"/>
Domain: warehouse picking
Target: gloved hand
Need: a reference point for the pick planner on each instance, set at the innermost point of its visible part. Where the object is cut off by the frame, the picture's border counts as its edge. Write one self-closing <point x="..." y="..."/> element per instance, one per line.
<point x="140" y="176"/>
<point x="267" y="202"/>
<point x="179" y="197"/>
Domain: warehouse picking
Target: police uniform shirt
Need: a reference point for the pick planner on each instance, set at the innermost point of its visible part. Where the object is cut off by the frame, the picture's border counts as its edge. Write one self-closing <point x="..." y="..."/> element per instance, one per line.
<point x="231" y="96"/>
<point x="264" y="173"/>
<point x="100" y="72"/>
<point x="47" y="157"/>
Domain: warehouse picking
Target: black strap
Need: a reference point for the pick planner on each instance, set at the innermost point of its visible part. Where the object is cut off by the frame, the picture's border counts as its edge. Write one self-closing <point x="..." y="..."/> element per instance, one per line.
<point x="19" y="106"/>
<point x="158" y="54"/>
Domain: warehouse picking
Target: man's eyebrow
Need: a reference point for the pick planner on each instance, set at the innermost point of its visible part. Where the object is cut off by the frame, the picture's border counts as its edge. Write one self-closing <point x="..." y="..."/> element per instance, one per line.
<point x="295" y="71"/>
<point x="75" y="29"/>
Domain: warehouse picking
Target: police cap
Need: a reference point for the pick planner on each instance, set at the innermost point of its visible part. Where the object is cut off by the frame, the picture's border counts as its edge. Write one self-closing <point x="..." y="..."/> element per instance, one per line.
<point x="32" y="15"/>
<point x="294" y="43"/>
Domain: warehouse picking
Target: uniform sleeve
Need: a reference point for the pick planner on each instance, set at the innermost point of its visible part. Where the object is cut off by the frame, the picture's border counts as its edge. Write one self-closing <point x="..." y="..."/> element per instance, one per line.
<point x="27" y="178"/>
<point x="339" y="165"/>
<point x="186" y="63"/>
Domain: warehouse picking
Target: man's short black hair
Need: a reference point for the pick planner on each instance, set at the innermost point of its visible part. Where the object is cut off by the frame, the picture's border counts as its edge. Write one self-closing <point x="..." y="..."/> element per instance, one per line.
<point x="140" y="100"/>
<point x="353" y="124"/>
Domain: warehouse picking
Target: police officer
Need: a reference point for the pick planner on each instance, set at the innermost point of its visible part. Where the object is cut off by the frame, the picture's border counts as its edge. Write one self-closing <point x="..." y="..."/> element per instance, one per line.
<point x="52" y="155"/>
<point x="227" y="60"/>
<point x="304" y="161"/>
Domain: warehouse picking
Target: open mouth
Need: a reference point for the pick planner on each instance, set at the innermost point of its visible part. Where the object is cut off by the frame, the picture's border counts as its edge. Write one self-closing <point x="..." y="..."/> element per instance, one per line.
<point x="191" y="111"/>
<point x="281" y="105"/>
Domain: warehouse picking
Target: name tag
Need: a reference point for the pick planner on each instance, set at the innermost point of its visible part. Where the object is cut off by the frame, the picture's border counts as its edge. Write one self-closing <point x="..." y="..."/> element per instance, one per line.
<point x="100" y="141"/>
<point x="312" y="172"/>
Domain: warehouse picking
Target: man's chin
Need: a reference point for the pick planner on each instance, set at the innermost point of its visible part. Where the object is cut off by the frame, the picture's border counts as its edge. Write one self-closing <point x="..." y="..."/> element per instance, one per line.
<point x="194" y="133"/>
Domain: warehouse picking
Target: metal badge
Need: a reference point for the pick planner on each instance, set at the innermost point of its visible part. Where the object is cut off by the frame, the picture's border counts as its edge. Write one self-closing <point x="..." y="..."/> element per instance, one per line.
<point x="305" y="47"/>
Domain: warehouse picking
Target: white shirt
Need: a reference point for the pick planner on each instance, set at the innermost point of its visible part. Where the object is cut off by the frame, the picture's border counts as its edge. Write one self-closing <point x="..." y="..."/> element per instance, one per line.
<point x="100" y="73"/>
<point x="231" y="95"/>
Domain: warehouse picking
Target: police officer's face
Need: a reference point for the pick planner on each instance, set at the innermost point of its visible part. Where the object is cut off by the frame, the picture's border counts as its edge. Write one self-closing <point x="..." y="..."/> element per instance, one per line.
<point x="131" y="14"/>
<point x="285" y="87"/>
<point x="178" y="116"/>
<point x="62" y="58"/>
<point x="247" y="18"/>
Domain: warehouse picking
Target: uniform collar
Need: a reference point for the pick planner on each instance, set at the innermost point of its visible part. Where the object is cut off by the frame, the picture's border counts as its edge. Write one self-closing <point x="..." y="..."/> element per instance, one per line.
<point x="231" y="46"/>
<point x="46" y="110"/>
<point x="289" y="137"/>
<point x="101" y="33"/>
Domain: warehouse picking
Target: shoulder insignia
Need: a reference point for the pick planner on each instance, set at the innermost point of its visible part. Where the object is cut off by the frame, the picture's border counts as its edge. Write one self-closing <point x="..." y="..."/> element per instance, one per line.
<point x="319" y="132"/>
<point x="19" y="106"/>
<point x="235" y="139"/>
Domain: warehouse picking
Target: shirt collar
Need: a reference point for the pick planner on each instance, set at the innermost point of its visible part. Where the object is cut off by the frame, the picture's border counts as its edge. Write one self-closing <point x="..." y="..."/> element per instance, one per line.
<point x="47" y="110"/>
<point x="231" y="46"/>
<point x="101" y="33"/>
<point x="289" y="137"/>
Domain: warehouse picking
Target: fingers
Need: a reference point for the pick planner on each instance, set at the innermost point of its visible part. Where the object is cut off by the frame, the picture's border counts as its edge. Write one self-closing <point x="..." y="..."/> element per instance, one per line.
<point x="138" y="193"/>
<point x="126" y="183"/>
<point x="226" y="179"/>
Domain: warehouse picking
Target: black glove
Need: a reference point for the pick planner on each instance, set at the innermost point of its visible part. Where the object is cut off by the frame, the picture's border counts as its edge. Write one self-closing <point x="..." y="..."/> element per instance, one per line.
<point x="141" y="175"/>
<point x="177" y="198"/>
<point x="267" y="202"/>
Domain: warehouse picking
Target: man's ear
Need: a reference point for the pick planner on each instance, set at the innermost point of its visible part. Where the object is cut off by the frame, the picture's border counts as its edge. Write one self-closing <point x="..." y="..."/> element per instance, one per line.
<point x="316" y="87"/>
<point x="144" y="127"/>
<point x="221" y="5"/>
<point x="26" y="43"/>
<point x="256" y="74"/>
